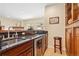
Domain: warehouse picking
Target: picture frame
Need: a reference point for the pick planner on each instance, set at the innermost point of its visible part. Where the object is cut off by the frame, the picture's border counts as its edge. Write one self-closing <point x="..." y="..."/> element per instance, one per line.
<point x="54" y="20"/>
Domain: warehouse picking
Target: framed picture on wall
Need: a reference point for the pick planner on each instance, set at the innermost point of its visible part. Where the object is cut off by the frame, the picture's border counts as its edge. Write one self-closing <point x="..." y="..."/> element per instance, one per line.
<point x="54" y="20"/>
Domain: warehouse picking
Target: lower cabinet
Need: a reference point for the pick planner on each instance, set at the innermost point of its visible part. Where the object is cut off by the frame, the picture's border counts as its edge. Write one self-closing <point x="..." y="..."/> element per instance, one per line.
<point x="76" y="40"/>
<point x="46" y="41"/>
<point x="72" y="41"/>
<point x="25" y="49"/>
<point x="41" y="45"/>
<point x="69" y="42"/>
<point x="39" y="48"/>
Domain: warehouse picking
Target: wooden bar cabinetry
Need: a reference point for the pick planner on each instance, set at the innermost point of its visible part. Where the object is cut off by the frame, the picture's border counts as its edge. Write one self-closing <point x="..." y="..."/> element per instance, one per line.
<point x="72" y="30"/>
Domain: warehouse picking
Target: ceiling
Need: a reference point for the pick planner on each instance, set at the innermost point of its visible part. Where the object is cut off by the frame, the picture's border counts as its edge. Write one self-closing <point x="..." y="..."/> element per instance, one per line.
<point x="22" y="10"/>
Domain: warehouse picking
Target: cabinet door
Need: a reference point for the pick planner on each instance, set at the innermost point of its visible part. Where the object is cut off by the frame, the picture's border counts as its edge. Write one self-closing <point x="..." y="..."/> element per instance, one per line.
<point x="76" y="35"/>
<point x="68" y="12"/>
<point x="68" y="41"/>
<point x="43" y="45"/>
<point x="75" y="11"/>
<point x="46" y="41"/>
<point x="39" y="47"/>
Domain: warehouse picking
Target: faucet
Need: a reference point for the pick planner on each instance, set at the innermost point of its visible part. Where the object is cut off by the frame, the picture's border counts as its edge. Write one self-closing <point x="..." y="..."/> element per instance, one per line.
<point x="9" y="32"/>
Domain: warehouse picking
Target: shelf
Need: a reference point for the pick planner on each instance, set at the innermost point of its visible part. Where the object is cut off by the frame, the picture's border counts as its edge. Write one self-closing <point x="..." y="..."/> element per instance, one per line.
<point x="68" y="10"/>
<point x="71" y="10"/>
<point x="75" y="11"/>
<point x="72" y="22"/>
<point x="5" y="31"/>
<point x="18" y="28"/>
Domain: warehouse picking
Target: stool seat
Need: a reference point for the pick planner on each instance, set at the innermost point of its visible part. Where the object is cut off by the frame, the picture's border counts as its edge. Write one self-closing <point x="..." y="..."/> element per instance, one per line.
<point x="58" y="38"/>
<point x="58" y="45"/>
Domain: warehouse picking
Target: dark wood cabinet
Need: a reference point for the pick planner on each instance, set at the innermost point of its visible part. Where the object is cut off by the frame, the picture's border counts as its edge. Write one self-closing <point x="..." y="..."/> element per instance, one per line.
<point x="23" y="49"/>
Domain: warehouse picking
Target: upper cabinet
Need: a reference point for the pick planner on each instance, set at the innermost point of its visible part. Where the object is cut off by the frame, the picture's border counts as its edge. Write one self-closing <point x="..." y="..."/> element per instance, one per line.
<point x="75" y="11"/>
<point x="68" y="12"/>
<point x="71" y="13"/>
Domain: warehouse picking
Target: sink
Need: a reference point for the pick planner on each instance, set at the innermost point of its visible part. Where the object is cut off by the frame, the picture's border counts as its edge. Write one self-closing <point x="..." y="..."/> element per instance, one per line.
<point x="8" y="42"/>
<point x="4" y="43"/>
<point x="22" y="38"/>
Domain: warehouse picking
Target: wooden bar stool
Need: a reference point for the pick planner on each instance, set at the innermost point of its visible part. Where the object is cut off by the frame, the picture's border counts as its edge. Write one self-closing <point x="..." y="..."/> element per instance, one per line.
<point x="58" y="44"/>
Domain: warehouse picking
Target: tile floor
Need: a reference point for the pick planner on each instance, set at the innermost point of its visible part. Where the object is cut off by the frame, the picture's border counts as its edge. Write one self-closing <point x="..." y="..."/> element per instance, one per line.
<point x="50" y="52"/>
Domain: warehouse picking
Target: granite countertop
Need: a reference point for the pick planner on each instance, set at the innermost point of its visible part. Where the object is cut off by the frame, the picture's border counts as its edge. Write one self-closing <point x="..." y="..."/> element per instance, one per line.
<point x="21" y="41"/>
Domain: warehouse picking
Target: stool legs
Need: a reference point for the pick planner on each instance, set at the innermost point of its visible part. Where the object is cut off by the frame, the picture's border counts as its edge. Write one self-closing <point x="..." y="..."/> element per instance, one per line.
<point x="59" y="45"/>
<point x="54" y="46"/>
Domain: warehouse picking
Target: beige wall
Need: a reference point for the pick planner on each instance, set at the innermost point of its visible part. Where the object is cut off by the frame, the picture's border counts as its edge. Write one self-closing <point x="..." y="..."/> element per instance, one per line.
<point x="9" y="22"/>
<point x="34" y="22"/>
<point x="55" y="29"/>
